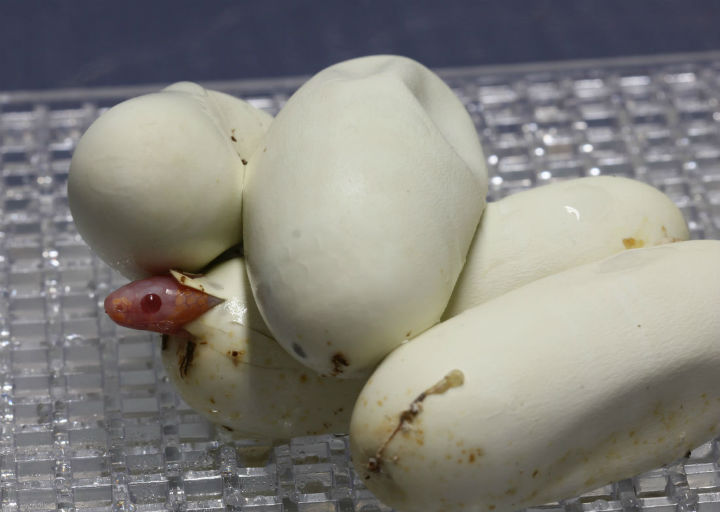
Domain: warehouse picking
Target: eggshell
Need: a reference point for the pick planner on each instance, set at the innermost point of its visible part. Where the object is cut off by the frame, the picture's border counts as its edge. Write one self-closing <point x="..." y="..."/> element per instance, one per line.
<point x="584" y="377"/>
<point x="156" y="182"/>
<point x="359" y="211"/>
<point x="539" y="232"/>
<point x="235" y="375"/>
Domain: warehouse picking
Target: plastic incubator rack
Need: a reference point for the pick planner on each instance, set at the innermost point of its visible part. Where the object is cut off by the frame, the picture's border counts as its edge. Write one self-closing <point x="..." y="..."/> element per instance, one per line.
<point x="88" y="420"/>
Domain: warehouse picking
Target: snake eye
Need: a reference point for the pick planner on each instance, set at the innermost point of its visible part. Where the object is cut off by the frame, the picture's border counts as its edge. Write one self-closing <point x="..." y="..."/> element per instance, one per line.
<point x="150" y="303"/>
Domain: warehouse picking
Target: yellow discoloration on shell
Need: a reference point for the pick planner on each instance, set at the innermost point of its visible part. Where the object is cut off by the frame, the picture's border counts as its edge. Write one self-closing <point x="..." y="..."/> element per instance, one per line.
<point x="633" y="243"/>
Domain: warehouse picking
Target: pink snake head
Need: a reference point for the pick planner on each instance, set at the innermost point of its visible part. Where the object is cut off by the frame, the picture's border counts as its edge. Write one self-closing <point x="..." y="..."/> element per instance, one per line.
<point x="158" y="304"/>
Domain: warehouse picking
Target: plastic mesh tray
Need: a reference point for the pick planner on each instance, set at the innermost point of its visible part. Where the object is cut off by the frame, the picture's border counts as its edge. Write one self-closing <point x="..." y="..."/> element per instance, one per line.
<point x="88" y="419"/>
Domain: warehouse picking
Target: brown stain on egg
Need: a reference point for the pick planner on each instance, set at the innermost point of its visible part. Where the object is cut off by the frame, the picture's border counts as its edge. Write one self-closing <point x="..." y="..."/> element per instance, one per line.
<point x="455" y="378"/>
<point x="667" y="239"/>
<point x="186" y="359"/>
<point x="475" y="455"/>
<point x="339" y="363"/>
<point x="236" y="356"/>
<point x="668" y="417"/>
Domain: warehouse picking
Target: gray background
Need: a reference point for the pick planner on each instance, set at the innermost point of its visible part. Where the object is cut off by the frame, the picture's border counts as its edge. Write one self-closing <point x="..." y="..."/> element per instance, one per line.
<point x="51" y="44"/>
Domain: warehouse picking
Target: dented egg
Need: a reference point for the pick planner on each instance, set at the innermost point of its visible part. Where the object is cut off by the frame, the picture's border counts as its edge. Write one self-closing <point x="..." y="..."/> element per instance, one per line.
<point x="359" y="211"/>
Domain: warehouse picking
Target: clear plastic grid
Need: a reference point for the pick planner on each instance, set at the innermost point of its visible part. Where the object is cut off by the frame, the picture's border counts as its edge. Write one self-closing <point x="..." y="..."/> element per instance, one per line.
<point x="88" y="420"/>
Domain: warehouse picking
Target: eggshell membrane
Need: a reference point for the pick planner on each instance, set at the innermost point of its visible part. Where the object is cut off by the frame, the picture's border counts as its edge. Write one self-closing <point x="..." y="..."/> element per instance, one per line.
<point x="359" y="211"/>
<point x="545" y="230"/>
<point x="156" y="182"/>
<point x="235" y="375"/>
<point x="604" y="371"/>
